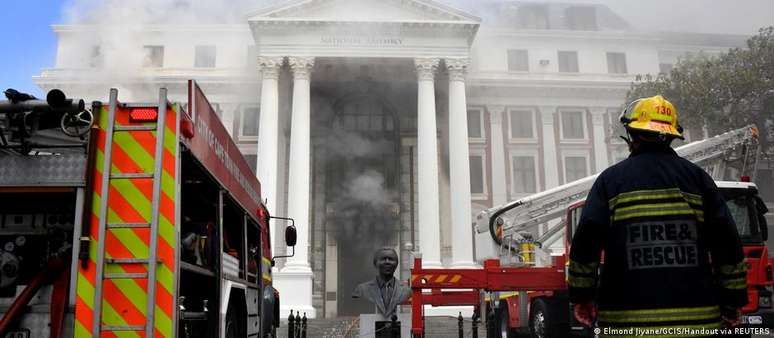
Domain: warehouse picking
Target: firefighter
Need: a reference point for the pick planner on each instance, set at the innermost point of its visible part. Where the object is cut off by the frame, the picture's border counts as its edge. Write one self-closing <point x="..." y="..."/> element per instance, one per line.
<point x="672" y="254"/>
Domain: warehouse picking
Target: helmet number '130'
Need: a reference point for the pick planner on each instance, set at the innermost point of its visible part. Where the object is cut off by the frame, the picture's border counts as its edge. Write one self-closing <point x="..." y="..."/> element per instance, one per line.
<point x="664" y="110"/>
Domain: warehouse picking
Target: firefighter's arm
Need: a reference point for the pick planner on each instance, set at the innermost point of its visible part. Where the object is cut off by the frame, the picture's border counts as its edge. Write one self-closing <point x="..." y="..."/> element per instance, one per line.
<point x="725" y="249"/>
<point x="587" y="244"/>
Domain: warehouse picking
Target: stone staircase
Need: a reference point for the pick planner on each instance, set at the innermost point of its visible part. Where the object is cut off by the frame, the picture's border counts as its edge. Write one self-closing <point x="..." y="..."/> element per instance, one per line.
<point x="347" y="327"/>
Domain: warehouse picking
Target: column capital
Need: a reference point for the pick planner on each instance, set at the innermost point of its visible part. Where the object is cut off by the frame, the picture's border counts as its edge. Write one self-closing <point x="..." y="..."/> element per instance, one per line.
<point x="495" y="113"/>
<point x="457" y="68"/>
<point x="270" y="65"/>
<point x="596" y="110"/>
<point x="301" y="67"/>
<point x="426" y="67"/>
<point x="598" y="115"/>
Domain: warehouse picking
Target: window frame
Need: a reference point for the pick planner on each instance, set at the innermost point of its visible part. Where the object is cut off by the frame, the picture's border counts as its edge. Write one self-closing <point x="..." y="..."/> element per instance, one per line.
<point x="147" y="48"/>
<point x="584" y="123"/>
<point x="585" y="154"/>
<point x="508" y="59"/>
<point x="482" y="130"/>
<point x="559" y="62"/>
<point x="533" y="12"/>
<point x="521" y="152"/>
<point x="214" y="56"/>
<point x="613" y="121"/>
<point x="239" y="121"/>
<point x="511" y="138"/>
<point x="479" y="151"/>
<point x="608" y="56"/>
<point x="574" y="21"/>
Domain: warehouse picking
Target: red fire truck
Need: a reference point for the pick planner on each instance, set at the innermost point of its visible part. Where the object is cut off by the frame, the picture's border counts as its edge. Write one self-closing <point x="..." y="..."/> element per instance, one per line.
<point x="521" y="286"/>
<point x="144" y="221"/>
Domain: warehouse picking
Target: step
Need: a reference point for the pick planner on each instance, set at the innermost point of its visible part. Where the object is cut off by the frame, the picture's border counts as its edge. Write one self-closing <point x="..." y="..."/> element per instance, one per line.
<point x="347" y="327"/>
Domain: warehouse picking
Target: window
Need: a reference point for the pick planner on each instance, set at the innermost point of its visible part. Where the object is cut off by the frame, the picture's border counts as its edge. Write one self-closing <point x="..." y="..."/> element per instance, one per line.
<point x="518" y="60"/>
<point x="568" y="61"/>
<point x="616" y="63"/>
<point x="616" y="127"/>
<point x="205" y="57"/>
<point x="533" y="17"/>
<point x="364" y="114"/>
<point x="524" y="178"/>
<point x="95" y="59"/>
<point x="581" y="18"/>
<point x="574" y="168"/>
<point x="476" y="174"/>
<point x="522" y="124"/>
<point x="154" y="56"/>
<point x="475" y="118"/>
<point x="665" y="68"/>
<point x="249" y="122"/>
<point x="572" y="125"/>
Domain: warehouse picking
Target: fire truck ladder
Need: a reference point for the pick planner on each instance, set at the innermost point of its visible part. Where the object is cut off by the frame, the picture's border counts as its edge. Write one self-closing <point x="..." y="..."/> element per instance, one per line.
<point x="531" y="211"/>
<point x="109" y="176"/>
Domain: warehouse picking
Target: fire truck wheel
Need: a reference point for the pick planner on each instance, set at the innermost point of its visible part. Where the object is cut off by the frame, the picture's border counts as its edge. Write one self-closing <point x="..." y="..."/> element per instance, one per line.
<point x="545" y="321"/>
<point x="501" y="324"/>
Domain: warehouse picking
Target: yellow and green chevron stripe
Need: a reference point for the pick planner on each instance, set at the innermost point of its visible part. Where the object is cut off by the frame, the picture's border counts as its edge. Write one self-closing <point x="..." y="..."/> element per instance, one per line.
<point x="130" y="201"/>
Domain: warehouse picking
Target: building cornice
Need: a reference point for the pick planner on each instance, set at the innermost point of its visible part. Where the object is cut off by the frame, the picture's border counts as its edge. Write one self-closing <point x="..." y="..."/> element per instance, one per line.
<point x="284" y="22"/>
<point x="236" y="28"/>
<point x="567" y="34"/>
<point x="427" y="6"/>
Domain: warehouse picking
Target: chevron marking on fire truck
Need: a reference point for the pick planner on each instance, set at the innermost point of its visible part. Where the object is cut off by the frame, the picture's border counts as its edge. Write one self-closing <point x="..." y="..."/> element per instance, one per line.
<point x="124" y="300"/>
<point x="445" y="278"/>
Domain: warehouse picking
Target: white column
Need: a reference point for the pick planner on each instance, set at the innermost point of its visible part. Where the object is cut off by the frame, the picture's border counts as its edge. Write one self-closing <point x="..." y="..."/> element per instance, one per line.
<point x="295" y="280"/>
<point x="600" y="145"/>
<point x="299" y="164"/>
<point x="459" y="166"/>
<point x="268" y="135"/>
<point x="497" y="161"/>
<point x="427" y="164"/>
<point x="550" y="168"/>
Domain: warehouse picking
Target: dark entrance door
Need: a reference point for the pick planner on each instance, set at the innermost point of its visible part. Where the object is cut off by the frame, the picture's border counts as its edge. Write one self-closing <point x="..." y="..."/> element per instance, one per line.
<point x="362" y="193"/>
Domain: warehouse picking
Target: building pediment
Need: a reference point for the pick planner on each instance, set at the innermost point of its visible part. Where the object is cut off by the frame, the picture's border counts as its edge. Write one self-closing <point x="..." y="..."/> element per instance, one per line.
<point x="364" y="28"/>
<point x="365" y="10"/>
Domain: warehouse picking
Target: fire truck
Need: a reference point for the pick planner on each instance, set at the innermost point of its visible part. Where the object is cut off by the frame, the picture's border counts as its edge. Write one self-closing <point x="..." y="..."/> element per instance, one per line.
<point x="521" y="286"/>
<point x="130" y="220"/>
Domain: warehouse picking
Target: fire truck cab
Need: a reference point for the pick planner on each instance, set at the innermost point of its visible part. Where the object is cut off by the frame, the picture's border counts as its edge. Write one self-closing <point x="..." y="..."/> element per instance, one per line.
<point x="149" y="223"/>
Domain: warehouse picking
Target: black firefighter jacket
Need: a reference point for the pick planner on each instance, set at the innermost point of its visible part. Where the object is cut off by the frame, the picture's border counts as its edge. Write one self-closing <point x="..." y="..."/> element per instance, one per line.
<point x="672" y="254"/>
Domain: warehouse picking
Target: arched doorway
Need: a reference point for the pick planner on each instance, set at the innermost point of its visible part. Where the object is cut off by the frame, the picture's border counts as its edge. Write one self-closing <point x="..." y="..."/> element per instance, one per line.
<point x="362" y="190"/>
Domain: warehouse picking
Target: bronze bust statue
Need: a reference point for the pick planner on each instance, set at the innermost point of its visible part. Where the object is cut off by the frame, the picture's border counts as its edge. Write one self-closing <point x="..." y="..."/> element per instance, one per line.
<point x="385" y="291"/>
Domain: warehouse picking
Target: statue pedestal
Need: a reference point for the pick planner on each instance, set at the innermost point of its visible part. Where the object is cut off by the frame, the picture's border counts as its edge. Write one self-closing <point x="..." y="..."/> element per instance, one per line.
<point x="368" y="325"/>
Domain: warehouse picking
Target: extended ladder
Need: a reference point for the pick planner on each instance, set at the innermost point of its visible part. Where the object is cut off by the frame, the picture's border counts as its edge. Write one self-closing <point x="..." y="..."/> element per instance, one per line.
<point x="125" y="259"/>
<point x="520" y="215"/>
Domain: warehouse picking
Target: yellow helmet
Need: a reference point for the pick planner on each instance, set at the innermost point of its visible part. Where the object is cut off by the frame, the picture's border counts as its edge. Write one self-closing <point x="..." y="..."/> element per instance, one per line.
<point x="652" y="114"/>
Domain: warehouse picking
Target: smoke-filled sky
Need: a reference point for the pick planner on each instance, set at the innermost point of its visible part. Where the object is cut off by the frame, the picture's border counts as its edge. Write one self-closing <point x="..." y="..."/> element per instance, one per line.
<point x="29" y="45"/>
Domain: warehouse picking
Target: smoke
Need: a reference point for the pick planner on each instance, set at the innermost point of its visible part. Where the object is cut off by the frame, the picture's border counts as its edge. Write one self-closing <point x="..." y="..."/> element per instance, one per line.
<point x="146" y="12"/>
<point x="695" y="16"/>
<point x="361" y="201"/>
<point x="118" y="52"/>
<point x="369" y="187"/>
